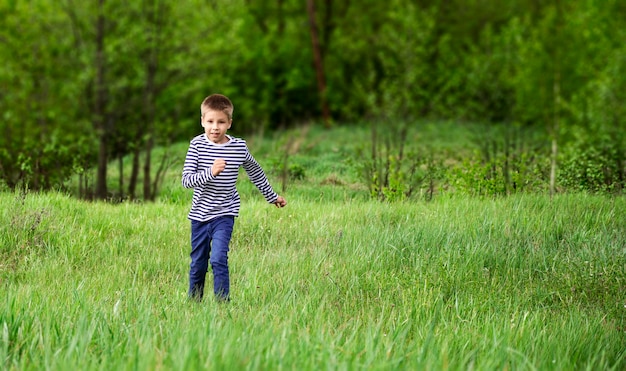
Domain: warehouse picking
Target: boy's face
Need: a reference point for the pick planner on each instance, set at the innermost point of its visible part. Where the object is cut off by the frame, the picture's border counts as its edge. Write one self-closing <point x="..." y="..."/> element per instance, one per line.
<point x="215" y="124"/>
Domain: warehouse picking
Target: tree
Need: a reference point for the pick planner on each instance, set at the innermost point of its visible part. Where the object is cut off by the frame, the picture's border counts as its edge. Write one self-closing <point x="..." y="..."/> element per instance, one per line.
<point x="595" y="157"/>
<point x="547" y="77"/>
<point x="83" y="83"/>
<point x="318" y="61"/>
<point x="40" y="144"/>
<point x="100" y="118"/>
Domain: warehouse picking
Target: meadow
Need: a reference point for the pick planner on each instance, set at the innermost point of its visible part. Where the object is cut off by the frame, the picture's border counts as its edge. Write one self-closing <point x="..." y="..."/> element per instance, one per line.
<point x="333" y="281"/>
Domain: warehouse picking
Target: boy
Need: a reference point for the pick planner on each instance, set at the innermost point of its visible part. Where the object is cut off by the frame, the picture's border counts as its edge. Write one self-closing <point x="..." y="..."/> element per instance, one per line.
<point x="211" y="169"/>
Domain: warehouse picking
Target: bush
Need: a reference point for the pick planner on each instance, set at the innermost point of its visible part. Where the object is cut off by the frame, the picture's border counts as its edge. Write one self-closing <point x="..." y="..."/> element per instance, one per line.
<point x="594" y="166"/>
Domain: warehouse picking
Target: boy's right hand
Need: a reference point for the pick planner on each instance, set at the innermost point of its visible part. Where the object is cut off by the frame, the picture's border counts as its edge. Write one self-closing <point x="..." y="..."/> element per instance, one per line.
<point x="218" y="166"/>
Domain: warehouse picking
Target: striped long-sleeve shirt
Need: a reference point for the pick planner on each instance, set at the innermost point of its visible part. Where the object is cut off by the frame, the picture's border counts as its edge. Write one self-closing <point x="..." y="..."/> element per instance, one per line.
<point x="215" y="196"/>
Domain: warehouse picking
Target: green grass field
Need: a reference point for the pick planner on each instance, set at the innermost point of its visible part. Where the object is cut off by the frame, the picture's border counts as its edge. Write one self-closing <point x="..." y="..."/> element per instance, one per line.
<point x="522" y="282"/>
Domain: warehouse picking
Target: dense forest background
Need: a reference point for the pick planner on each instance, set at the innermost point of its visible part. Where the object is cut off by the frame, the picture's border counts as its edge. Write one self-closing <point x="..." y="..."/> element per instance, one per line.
<point x="83" y="83"/>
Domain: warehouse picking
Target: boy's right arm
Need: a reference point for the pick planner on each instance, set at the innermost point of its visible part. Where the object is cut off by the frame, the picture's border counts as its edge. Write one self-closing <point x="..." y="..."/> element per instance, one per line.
<point x="191" y="176"/>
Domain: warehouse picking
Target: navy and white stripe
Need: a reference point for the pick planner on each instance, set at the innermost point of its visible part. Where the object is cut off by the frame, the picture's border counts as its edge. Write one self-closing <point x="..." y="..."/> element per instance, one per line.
<point x="217" y="196"/>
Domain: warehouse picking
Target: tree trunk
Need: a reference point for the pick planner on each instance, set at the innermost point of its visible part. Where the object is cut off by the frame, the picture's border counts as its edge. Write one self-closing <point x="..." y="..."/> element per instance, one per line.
<point x="134" y="174"/>
<point x="319" y="64"/>
<point x="154" y="13"/>
<point x="147" y="190"/>
<point x="99" y="106"/>
<point x="121" y="175"/>
<point x="160" y="173"/>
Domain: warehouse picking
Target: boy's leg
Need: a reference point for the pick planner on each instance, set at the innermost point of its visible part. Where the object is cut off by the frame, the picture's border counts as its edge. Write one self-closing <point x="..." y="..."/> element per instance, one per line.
<point x="200" y="248"/>
<point x="222" y="232"/>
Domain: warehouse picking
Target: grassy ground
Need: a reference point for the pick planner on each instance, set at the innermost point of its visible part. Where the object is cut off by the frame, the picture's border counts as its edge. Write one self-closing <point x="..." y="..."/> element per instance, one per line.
<point x="330" y="282"/>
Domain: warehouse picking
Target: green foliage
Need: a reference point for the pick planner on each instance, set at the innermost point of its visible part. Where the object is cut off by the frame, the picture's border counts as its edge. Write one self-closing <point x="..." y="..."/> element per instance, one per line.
<point x="267" y="68"/>
<point x="499" y="175"/>
<point x="294" y="171"/>
<point x="41" y="137"/>
<point x="595" y="163"/>
<point x="396" y="167"/>
<point x="554" y="67"/>
<point x="506" y="160"/>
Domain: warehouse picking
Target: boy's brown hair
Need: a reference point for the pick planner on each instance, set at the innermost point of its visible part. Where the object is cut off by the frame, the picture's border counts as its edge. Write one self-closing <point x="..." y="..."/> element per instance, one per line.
<point x="217" y="102"/>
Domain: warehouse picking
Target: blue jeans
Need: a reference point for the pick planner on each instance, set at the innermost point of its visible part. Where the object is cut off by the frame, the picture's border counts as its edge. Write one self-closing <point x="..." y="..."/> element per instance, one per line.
<point x="210" y="238"/>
